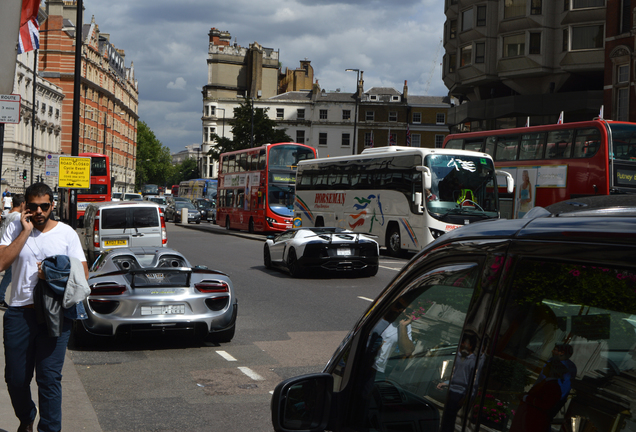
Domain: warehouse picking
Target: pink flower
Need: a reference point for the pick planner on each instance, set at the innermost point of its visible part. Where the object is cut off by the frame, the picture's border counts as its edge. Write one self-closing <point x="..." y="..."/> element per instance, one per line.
<point x="499" y="403"/>
<point x="575" y="272"/>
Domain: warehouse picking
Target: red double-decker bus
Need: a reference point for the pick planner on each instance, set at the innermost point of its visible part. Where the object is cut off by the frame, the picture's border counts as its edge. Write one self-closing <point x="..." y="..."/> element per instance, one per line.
<point x="256" y="188"/>
<point x="100" y="189"/>
<point x="557" y="162"/>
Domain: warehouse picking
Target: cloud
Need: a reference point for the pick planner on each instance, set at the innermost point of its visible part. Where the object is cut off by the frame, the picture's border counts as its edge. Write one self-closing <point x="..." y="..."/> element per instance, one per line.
<point x="178" y="84"/>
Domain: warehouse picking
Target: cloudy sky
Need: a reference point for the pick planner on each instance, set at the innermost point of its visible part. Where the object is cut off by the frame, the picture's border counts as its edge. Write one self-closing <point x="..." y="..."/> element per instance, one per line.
<point x="167" y="40"/>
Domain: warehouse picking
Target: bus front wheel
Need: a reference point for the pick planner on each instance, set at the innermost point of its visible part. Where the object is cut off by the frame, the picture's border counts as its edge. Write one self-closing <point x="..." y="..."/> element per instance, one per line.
<point x="393" y="241"/>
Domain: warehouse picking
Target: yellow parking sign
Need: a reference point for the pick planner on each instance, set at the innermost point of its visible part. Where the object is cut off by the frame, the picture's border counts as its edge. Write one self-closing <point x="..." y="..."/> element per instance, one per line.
<point x="75" y="172"/>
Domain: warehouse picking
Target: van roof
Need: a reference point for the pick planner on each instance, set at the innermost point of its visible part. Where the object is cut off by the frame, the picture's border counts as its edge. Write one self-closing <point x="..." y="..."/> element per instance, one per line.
<point x="103" y="204"/>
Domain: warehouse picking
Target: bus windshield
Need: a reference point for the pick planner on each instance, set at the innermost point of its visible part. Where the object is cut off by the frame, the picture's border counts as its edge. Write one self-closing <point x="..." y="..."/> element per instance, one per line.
<point x="98" y="166"/>
<point x="461" y="185"/>
<point x="288" y="156"/>
<point x="281" y="199"/>
<point x="623" y="141"/>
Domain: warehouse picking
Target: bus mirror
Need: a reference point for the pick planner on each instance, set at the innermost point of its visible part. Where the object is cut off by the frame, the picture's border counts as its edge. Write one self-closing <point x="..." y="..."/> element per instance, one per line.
<point x="510" y="181"/>
<point x="418" y="199"/>
<point x="427" y="176"/>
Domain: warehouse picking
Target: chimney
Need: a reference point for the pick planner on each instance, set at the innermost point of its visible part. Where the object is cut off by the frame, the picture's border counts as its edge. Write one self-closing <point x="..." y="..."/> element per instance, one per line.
<point x="405" y="91"/>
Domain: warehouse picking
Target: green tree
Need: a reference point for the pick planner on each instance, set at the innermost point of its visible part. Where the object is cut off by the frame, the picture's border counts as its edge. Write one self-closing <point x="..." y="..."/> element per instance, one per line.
<point x="264" y="131"/>
<point x="154" y="162"/>
<point x="185" y="170"/>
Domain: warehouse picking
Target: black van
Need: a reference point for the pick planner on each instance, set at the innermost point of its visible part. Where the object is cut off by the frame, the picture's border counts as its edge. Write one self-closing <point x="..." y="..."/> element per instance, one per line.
<point x="504" y="325"/>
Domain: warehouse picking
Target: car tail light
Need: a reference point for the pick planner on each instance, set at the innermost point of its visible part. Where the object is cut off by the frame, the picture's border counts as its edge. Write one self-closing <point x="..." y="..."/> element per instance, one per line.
<point x="212" y="287"/>
<point x="108" y="289"/>
<point x="96" y="230"/>
<point x="164" y="233"/>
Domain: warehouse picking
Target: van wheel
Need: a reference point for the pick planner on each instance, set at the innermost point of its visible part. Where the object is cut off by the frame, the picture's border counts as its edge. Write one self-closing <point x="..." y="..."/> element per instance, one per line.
<point x="251" y="226"/>
<point x="393" y="241"/>
<point x="320" y="222"/>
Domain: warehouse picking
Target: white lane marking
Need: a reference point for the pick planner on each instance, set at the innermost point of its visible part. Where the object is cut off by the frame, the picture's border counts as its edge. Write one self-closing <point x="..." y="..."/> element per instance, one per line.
<point x="226" y="356"/>
<point x="390" y="268"/>
<point x="250" y="373"/>
<point x="365" y="298"/>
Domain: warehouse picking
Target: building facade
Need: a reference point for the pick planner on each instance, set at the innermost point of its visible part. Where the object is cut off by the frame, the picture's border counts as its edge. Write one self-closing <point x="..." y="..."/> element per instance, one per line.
<point x="37" y="134"/>
<point x="109" y="94"/>
<point x="508" y="60"/>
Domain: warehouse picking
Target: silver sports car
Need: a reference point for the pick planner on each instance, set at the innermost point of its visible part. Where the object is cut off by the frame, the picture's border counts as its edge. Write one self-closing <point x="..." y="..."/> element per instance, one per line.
<point x="337" y="251"/>
<point x="145" y="289"/>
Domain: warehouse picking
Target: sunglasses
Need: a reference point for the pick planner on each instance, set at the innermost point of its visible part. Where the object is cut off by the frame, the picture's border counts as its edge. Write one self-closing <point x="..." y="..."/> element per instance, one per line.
<point x="34" y="206"/>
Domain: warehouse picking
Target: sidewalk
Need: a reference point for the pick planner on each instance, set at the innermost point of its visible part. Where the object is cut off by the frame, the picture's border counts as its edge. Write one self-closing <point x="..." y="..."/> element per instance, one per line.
<point x="77" y="412"/>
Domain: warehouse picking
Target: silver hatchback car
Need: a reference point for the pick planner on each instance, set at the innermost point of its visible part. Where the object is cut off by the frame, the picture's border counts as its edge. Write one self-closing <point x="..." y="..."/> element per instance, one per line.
<point x="156" y="289"/>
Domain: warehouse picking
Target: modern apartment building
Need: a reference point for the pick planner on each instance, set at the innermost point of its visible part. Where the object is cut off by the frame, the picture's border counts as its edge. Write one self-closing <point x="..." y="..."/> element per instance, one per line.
<point x="508" y="60"/>
<point x="109" y="94"/>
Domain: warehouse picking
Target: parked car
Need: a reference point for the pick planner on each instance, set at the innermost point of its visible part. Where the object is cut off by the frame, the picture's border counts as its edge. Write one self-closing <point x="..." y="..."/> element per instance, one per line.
<point x="303" y="251"/>
<point x="173" y="212"/>
<point x="161" y="201"/>
<point x="147" y="288"/>
<point x="121" y="224"/>
<point x="129" y="196"/>
<point x="116" y="196"/>
<point x="484" y="323"/>
<point x="207" y="208"/>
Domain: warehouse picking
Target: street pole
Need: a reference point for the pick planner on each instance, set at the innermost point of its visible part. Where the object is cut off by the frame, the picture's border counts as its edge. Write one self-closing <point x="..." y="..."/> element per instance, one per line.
<point x="76" y="106"/>
<point x="355" y="118"/>
<point x="252" y="134"/>
<point x="35" y="75"/>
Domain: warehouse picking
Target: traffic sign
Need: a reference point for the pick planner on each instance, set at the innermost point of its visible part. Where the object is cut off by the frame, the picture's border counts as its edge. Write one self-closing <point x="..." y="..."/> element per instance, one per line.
<point x="75" y="172"/>
<point x="51" y="164"/>
<point x="10" y="109"/>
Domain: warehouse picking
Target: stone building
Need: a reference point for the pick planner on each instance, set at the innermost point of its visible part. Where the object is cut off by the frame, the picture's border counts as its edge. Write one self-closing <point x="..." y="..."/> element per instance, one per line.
<point x="109" y="94"/>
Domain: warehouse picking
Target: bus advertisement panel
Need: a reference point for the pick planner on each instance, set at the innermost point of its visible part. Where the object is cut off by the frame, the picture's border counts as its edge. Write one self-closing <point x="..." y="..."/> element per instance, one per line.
<point x="256" y="186"/>
<point x="557" y="162"/>
<point x="100" y="188"/>
<point x="199" y="188"/>
<point x="405" y="196"/>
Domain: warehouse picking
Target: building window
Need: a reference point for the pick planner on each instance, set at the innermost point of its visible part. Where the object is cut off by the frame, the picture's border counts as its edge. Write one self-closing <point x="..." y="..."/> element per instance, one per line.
<point x="467" y="55"/>
<point x="416" y="140"/>
<point x="300" y="114"/>
<point x="368" y="139"/>
<point x="211" y="110"/>
<point x="300" y="136"/>
<point x="514" y="8"/>
<point x="480" y="52"/>
<point x="323" y="114"/>
<point x="392" y="116"/>
<point x="346" y="140"/>
<point x="467" y="19"/>
<point x="373" y="97"/>
<point x="452" y="63"/>
<point x="626" y="13"/>
<point x="211" y="132"/>
<point x="481" y="16"/>
<point x="440" y="118"/>
<point x="322" y="138"/>
<point x="452" y="29"/>
<point x="587" y="37"/>
<point x="346" y="114"/>
<point x="622" y="75"/>
<point x="417" y="117"/>
<point x="535" y="43"/>
<point x="439" y="141"/>
<point x="536" y="7"/>
<point x="369" y="116"/>
<point x="280" y="113"/>
<point x="514" y="45"/>
<point x="583" y="4"/>
<point x="622" y="111"/>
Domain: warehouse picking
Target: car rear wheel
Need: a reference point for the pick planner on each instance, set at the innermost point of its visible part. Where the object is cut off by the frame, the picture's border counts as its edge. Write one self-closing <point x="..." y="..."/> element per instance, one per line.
<point x="267" y="257"/>
<point x="370" y="271"/>
<point x="292" y="264"/>
<point x="223" y="336"/>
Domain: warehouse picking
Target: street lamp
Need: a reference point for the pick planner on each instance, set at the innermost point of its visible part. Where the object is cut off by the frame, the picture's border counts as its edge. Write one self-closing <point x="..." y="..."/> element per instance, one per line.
<point x="355" y="118"/>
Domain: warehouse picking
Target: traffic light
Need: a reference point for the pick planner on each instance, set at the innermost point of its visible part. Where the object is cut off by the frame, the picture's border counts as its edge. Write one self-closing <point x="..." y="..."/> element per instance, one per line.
<point x="24" y="175"/>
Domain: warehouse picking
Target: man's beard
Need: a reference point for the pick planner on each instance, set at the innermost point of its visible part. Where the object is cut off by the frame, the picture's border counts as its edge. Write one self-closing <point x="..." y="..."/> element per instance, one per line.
<point x="46" y="219"/>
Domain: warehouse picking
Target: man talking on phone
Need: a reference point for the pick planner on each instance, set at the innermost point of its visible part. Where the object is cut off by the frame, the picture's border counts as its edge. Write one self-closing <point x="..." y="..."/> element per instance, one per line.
<point x="27" y="345"/>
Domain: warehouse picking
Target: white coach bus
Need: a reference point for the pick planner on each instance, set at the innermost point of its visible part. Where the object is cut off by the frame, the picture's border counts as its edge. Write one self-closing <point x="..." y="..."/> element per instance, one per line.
<point x="405" y="196"/>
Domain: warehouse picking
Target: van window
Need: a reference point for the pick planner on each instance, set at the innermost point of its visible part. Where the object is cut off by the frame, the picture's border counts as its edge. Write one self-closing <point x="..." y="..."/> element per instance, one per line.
<point x="122" y="218"/>
<point x="411" y="353"/>
<point x="565" y="353"/>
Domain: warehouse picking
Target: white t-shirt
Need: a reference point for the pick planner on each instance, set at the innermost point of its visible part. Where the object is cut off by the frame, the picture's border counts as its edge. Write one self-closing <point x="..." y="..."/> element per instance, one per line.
<point x="8" y="202"/>
<point x="61" y="240"/>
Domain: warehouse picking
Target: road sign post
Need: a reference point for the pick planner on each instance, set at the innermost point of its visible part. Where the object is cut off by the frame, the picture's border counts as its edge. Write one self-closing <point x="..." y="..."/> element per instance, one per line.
<point x="74" y="173"/>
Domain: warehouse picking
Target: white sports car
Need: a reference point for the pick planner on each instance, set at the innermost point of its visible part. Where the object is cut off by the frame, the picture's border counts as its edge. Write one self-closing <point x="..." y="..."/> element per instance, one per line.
<point x="338" y="251"/>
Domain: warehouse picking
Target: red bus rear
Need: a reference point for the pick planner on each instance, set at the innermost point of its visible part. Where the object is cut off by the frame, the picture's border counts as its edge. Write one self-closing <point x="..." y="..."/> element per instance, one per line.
<point x="256" y="189"/>
<point x="557" y="162"/>
<point x="99" y="191"/>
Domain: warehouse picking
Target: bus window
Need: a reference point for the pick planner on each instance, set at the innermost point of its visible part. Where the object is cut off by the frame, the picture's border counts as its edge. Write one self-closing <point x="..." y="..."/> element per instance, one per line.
<point x="231" y="163"/>
<point x="559" y="144"/>
<point x="455" y="144"/>
<point x="224" y="164"/>
<point x="262" y="160"/>
<point x="587" y="142"/>
<point x="532" y="146"/>
<point x="241" y="161"/>
<point x="490" y="146"/>
<point x="507" y="148"/>
<point x="474" y="145"/>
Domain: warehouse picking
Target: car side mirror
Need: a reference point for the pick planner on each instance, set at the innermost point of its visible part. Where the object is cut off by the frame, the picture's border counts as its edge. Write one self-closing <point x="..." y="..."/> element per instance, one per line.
<point x="302" y="403"/>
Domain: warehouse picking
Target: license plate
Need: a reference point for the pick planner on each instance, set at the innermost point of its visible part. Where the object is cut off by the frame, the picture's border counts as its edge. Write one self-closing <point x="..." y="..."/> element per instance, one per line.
<point x="122" y="242"/>
<point x="343" y="252"/>
<point x="163" y="310"/>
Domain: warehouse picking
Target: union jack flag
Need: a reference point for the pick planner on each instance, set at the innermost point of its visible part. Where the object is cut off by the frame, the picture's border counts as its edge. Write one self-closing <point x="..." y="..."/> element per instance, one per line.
<point x="392" y="139"/>
<point x="29" y="37"/>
